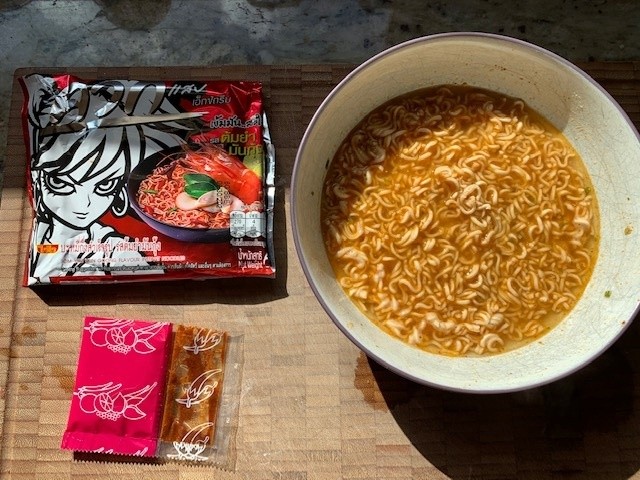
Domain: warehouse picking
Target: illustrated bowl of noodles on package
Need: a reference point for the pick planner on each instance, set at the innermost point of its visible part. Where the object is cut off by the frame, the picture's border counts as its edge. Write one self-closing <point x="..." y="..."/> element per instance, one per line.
<point x="191" y="192"/>
<point x="466" y="208"/>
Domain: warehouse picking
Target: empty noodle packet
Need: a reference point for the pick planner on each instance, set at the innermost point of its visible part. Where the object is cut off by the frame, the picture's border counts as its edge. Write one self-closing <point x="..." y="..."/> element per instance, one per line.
<point x="188" y="196"/>
<point x="119" y="389"/>
<point x="202" y="398"/>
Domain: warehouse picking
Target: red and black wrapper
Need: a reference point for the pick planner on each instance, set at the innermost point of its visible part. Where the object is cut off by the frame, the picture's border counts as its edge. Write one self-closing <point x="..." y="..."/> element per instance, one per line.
<point x="93" y="147"/>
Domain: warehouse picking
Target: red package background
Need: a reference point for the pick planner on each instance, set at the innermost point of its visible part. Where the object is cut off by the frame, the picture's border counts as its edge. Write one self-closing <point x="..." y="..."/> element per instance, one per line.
<point x="85" y="227"/>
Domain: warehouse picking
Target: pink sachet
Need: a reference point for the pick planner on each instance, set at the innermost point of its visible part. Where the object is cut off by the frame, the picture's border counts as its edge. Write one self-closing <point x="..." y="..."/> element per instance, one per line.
<point x="120" y="382"/>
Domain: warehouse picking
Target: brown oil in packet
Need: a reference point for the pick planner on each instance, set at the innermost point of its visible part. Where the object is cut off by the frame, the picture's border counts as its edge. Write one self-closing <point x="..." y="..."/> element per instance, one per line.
<point x="202" y="398"/>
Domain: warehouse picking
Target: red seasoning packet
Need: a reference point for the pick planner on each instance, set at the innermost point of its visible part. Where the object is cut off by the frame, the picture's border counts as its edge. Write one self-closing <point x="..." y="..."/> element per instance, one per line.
<point x="138" y="181"/>
<point x="120" y="383"/>
<point x="120" y="406"/>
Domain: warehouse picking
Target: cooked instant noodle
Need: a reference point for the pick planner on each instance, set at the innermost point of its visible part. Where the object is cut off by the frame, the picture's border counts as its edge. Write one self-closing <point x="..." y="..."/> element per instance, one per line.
<point x="460" y="221"/>
<point x="200" y="189"/>
<point x="157" y="197"/>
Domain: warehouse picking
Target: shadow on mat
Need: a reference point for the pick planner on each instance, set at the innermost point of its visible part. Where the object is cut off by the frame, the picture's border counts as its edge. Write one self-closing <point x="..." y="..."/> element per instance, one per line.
<point x="582" y="427"/>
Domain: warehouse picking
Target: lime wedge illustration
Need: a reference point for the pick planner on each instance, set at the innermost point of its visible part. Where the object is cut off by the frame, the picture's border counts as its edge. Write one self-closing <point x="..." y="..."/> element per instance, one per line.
<point x="254" y="161"/>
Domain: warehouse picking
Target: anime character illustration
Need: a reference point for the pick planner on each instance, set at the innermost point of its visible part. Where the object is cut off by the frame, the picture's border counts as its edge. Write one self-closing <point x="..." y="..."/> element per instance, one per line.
<point x="79" y="172"/>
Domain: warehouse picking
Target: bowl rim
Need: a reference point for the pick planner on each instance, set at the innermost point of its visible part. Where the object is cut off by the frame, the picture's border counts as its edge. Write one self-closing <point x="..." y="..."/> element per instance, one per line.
<point x="593" y="354"/>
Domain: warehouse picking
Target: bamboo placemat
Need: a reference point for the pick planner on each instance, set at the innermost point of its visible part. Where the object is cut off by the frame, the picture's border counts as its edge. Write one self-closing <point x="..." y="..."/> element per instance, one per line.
<point x="312" y="405"/>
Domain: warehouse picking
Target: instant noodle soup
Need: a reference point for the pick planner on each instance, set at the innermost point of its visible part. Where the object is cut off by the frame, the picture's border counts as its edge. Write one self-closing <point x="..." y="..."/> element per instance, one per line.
<point x="460" y="221"/>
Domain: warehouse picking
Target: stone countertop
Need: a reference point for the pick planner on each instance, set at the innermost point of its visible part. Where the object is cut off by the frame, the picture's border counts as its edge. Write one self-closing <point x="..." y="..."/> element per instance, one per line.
<point x="70" y="33"/>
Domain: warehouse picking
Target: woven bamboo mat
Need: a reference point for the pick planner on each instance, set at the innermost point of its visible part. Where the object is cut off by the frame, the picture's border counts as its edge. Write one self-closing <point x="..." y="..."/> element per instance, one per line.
<point x="312" y="405"/>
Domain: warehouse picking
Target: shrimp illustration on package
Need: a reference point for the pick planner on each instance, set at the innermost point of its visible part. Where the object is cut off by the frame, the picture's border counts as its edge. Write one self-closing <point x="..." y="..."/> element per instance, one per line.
<point x="138" y="181"/>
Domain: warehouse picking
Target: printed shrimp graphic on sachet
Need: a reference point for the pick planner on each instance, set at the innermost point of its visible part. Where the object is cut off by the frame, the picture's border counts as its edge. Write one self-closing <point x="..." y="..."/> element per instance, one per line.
<point x="193" y="445"/>
<point x="111" y="401"/>
<point x="123" y="336"/>
<point x="201" y="388"/>
<point x="205" y="339"/>
<point x="119" y="387"/>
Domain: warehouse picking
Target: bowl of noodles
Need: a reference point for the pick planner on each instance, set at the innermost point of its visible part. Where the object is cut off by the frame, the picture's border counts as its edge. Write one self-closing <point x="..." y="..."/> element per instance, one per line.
<point x="190" y="192"/>
<point x="153" y="186"/>
<point x="466" y="208"/>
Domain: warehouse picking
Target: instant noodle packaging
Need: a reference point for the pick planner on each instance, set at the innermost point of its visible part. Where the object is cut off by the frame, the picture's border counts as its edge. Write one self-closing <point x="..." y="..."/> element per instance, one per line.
<point x="139" y="181"/>
<point x="150" y="389"/>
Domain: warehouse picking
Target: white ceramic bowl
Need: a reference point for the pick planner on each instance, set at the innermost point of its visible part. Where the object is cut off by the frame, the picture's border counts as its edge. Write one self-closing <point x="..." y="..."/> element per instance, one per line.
<point x="587" y="115"/>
